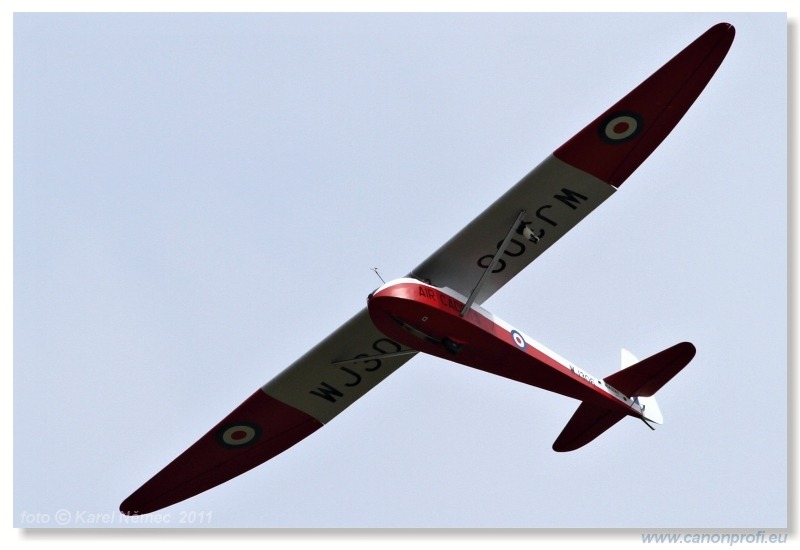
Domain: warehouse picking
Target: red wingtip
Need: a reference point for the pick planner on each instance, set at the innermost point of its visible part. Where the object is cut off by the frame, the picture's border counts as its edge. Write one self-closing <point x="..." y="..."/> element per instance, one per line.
<point x="259" y="429"/>
<point x="619" y="140"/>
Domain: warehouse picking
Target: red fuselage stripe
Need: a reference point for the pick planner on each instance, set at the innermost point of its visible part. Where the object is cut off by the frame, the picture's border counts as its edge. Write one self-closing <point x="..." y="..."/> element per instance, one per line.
<point x="425" y="317"/>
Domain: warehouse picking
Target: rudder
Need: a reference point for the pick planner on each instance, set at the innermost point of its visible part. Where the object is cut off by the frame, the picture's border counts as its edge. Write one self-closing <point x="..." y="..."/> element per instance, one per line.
<point x="650" y="408"/>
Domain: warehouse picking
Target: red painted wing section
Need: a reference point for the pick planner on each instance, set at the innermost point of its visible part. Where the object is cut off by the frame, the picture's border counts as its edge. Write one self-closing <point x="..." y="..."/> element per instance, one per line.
<point x="617" y="142"/>
<point x="259" y="429"/>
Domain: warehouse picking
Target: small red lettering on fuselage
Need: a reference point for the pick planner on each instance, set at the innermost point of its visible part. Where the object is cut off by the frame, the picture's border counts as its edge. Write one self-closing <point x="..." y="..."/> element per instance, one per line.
<point x="452" y="303"/>
<point x="427" y="292"/>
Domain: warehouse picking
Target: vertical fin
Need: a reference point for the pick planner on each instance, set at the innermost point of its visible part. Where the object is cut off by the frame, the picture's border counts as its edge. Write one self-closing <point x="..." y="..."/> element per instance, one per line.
<point x="649" y="405"/>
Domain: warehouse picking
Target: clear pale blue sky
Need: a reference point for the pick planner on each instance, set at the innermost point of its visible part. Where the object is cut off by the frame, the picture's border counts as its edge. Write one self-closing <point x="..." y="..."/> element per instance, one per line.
<point x="198" y="199"/>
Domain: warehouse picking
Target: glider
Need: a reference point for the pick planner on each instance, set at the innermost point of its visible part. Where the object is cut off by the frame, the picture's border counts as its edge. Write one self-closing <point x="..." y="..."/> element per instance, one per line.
<point x="436" y="308"/>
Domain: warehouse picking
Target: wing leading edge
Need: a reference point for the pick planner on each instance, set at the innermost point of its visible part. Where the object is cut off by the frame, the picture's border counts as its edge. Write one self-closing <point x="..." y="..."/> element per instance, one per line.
<point x="555" y="196"/>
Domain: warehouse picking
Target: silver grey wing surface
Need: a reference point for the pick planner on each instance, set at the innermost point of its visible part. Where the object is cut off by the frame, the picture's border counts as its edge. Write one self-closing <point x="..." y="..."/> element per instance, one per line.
<point x="339" y="370"/>
<point x="554" y="196"/>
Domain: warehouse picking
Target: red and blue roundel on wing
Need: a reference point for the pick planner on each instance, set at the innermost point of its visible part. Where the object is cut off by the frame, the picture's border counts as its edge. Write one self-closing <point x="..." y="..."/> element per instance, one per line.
<point x="518" y="339"/>
<point x="621" y="127"/>
<point x="238" y="435"/>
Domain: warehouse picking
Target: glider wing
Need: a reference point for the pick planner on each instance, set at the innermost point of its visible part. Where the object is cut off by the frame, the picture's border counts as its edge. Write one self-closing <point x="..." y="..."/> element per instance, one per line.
<point x="293" y="405"/>
<point x="578" y="176"/>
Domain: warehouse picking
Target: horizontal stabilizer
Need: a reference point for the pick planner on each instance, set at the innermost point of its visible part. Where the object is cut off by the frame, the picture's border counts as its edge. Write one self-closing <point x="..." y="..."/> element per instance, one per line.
<point x="586" y="424"/>
<point x="648" y="376"/>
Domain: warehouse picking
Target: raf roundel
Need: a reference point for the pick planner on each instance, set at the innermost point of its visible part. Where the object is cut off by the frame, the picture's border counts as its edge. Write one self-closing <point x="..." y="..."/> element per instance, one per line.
<point x="620" y="127"/>
<point x="518" y="339"/>
<point x="238" y="435"/>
